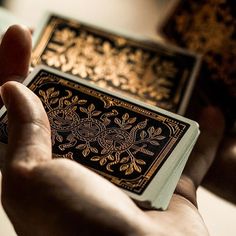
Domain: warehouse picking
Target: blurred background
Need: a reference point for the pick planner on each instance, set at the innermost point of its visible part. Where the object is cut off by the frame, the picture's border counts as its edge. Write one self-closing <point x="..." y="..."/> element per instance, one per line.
<point x="146" y="19"/>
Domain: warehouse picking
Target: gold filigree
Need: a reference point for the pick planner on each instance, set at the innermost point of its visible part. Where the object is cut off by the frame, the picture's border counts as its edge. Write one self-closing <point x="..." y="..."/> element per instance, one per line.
<point x="119" y="145"/>
<point x="208" y="27"/>
<point x="207" y="32"/>
<point x="136" y="72"/>
<point x="149" y="72"/>
<point x="68" y="155"/>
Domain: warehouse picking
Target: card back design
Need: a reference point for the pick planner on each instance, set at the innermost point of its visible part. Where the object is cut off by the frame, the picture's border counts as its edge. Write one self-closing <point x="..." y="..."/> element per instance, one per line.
<point x="123" y="142"/>
<point x="155" y="74"/>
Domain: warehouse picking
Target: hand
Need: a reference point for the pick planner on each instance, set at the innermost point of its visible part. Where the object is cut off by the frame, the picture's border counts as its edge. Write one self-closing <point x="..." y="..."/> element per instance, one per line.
<point x="220" y="178"/>
<point x="224" y="167"/>
<point x="45" y="196"/>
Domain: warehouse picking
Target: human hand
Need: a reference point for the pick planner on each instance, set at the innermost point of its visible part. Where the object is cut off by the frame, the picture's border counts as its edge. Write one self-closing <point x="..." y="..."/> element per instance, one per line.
<point x="221" y="178"/>
<point x="224" y="167"/>
<point x="45" y="196"/>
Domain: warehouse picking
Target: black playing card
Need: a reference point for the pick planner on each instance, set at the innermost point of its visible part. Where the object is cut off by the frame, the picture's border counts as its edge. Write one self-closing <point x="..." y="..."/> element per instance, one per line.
<point x="156" y="74"/>
<point x="123" y="141"/>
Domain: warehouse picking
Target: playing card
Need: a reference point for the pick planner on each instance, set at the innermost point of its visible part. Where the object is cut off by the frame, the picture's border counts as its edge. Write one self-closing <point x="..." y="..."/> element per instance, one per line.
<point x="157" y="74"/>
<point x="126" y="141"/>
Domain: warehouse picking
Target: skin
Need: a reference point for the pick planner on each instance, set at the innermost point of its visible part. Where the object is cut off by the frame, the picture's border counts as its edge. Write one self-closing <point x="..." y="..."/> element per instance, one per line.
<point x="224" y="166"/>
<point x="45" y="196"/>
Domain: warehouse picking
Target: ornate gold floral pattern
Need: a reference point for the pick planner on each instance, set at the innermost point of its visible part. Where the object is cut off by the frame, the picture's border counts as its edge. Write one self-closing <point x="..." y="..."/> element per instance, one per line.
<point x="136" y="72"/>
<point x="149" y="73"/>
<point x="209" y="28"/>
<point x="113" y="141"/>
<point x="120" y="140"/>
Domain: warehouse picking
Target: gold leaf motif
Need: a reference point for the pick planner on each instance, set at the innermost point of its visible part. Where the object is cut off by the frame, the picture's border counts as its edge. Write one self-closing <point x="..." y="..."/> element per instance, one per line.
<point x="132" y="70"/>
<point x="69" y="155"/>
<point x="125" y="117"/>
<point x="110" y="157"/>
<point x="94" y="150"/>
<point x="124" y="160"/>
<point x="91" y="107"/>
<point x="59" y="138"/>
<point x="67" y="102"/>
<point x="140" y="161"/>
<point x="154" y="142"/>
<point x="95" y="158"/>
<point x="127" y="126"/>
<point x="117" y="121"/>
<point x="158" y="131"/>
<point x="96" y="113"/>
<point x="49" y="91"/>
<point x="103" y="161"/>
<point x="75" y="99"/>
<point x="54" y="100"/>
<point x="137" y="168"/>
<point x="143" y="134"/>
<point x="86" y="152"/>
<point x="114" y="142"/>
<point x="42" y="93"/>
<point x="83" y="109"/>
<point x="54" y="94"/>
<point x="132" y="120"/>
<point x="150" y="130"/>
<point x="81" y="146"/>
<point x="130" y="170"/>
<point x="124" y="167"/>
<point x="82" y="102"/>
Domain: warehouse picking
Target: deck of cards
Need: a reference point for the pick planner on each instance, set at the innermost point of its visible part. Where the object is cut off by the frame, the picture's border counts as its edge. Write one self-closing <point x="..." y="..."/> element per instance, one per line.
<point x="157" y="74"/>
<point x="136" y="145"/>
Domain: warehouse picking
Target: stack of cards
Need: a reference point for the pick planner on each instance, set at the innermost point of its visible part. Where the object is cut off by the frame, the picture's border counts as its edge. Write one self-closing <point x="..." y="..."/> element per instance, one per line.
<point x="138" y="147"/>
<point x="104" y="93"/>
<point x="154" y="73"/>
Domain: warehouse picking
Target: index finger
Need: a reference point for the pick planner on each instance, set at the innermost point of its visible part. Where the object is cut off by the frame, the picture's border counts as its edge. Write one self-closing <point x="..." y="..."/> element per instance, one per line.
<point x="211" y="121"/>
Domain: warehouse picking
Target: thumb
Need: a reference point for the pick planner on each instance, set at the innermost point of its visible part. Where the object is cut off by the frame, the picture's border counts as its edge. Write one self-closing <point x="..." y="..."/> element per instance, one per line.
<point x="29" y="138"/>
<point x="15" y="53"/>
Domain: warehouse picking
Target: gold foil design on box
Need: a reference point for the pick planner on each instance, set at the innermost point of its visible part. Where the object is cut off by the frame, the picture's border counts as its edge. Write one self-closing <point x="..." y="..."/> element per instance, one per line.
<point x="140" y="70"/>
